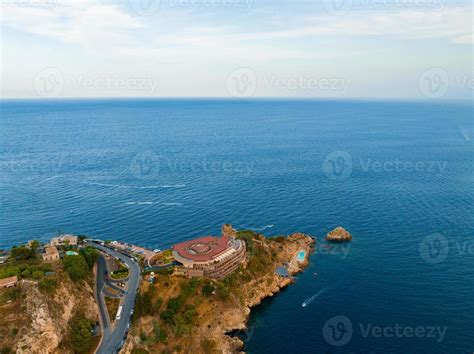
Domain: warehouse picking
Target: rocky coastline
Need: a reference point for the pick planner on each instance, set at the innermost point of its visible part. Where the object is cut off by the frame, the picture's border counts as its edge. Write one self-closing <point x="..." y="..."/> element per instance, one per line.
<point x="258" y="290"/>
<point x="220" y="319"/>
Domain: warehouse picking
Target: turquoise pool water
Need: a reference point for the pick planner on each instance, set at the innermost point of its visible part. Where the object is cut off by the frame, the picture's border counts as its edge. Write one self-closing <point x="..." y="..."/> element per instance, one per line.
<point x="300" y="256"/>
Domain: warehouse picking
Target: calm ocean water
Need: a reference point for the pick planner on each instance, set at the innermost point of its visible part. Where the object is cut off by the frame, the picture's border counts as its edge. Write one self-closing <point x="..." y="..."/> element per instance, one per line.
<point x="398" y="176"/>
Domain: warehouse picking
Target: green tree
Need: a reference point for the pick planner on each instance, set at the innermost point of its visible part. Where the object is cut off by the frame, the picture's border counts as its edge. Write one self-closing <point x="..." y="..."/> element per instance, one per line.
<point x="168" y="316"/>
<point x="47" y="285"/>
<point x="91" y="255"/>
<point x="159" y="332"/>
<point x="207" y="289"/>
<point x="174" y="304"/>
<point x="156" y="306"/>
<point x="37" y="274"/>
<point x="76" y="267"/>
<point x="34" y="245"/>
<point x="190" y="314"/>
<point x="147" y="303"/>
<point x="139" y="351"/>
<point x="80" y="334"/>
<point x="22" y="253"/>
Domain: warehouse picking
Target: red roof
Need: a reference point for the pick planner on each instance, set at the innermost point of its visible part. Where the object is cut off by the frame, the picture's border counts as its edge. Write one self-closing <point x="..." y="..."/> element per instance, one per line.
<point x="202" y="249"/>
<point x="8" y="281"/>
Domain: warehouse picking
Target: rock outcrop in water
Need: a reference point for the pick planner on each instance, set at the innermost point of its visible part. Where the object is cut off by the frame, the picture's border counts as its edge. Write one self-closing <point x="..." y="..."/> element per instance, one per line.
<point x="339" y="234"/>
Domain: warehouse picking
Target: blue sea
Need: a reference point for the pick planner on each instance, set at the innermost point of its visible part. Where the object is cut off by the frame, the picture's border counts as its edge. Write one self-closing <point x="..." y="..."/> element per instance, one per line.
<point x="397" y="175"/>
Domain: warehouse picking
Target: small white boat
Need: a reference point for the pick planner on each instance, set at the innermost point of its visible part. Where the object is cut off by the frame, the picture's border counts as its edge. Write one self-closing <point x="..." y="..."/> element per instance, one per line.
<point x="310" y="299"/>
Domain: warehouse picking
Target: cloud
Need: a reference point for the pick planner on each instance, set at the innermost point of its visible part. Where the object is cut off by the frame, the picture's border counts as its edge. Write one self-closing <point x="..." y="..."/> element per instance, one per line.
<point x="83" y="22"/>
<point x="448" y="23"/>
<point x="200" y="47"/>
<point x="87" y="23"/>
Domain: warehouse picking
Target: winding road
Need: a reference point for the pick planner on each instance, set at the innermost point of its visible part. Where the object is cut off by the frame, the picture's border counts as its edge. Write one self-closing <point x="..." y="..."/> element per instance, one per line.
<point x="114" y="335"/>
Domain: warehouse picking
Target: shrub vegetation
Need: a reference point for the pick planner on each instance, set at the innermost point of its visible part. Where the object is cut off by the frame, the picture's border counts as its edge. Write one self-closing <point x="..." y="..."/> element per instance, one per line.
<point x="76" y="267"/>
<point x="80" y="334"/>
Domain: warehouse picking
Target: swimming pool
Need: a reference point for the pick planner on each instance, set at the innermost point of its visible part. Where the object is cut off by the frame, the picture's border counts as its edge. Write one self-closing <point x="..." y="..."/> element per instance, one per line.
<point x="300" y="257"/>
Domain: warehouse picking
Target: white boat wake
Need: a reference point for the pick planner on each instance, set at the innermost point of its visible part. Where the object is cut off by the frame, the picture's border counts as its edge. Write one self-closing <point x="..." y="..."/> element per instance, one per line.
<point x="139" y="203"/>
<point x="151" y="203"/>
<point x="311" y="299"/>
<point x="258" y="228"/>
<point x="465" y="133"/>
<point x="112" y="185"/>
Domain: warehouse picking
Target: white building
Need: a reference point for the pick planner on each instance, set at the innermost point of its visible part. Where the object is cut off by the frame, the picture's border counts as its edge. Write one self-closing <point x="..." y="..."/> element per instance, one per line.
<point x="64" y="240"/>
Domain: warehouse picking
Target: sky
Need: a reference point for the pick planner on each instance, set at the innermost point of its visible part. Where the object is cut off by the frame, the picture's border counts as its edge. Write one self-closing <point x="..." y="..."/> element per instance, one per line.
<point x="341" y="49"/>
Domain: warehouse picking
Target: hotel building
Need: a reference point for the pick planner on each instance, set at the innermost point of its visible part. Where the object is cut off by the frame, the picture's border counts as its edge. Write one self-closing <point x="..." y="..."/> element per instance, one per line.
<point x="209" y="256"/>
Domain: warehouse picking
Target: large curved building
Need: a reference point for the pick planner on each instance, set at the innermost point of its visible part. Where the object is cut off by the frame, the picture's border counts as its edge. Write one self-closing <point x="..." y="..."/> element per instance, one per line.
<point x="209" y="256"/>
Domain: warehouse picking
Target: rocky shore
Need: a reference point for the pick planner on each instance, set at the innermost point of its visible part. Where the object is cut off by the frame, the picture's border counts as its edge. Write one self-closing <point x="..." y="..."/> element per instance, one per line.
<point x="259" y="289"/>
<point x="219" y="317"/>
<point x="339" y="234"/>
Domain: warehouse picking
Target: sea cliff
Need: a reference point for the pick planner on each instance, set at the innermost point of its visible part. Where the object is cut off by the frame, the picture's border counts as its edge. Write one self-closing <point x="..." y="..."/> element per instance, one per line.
<point x="204" y="317"/>
<point x="38" y="319"/>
